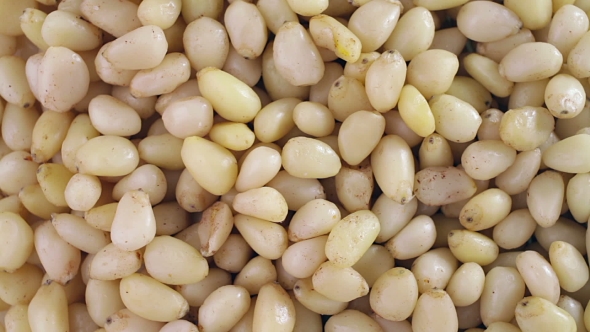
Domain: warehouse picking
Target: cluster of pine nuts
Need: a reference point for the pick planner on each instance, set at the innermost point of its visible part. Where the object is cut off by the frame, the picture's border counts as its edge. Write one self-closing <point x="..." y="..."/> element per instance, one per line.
<point x="294" y="165"/>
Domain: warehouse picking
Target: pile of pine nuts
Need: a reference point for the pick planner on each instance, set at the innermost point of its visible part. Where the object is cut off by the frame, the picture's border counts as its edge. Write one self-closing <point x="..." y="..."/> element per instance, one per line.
<point x="294" y="165"/>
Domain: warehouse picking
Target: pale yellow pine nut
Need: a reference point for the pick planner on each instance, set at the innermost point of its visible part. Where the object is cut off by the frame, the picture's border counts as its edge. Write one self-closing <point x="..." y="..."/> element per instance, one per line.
<point x="484" y="21"/>
<point x="316" y="302"/>
<point x="450" y="39"/>
<point x="529" y="317"/>
<point x="342" y="284"/>
<point x="18" y="125"/>
<point x="346" y="96"/>
<point x="31" y="23"/>
<point x="391" y="153"/>
<point x="515" y="230"/>
<point x="162" y="13"/>
<point x="19" y="286"/>
<point x="565" y="96"/>
<point x="389" y="67"/>
<point x="276" y="13"/>
<point x="246" y="28"/>
<point x="60" y="259"/>
<point x="543" y="60"/>
<point x="310" y="158"/>
<point x="256" y="273"/>
<point x="393" y="216"/>
<point x="20" y="169"/>
<point x="137" y="290"/>
<point x="319" y="92"/>
<point x="574" y="308"/>
<point x="328" y="33"/>
<point x="469" y="246"/>
<point x="296" y="57"/>
<point x="265" y="203"/>
<point x="503" y="289"/>
<point x="415" y="111"/>
<point x="114" y="17"/>
<point x="353" y="319"/>
<point x="560" y="156"/>
<point x="63" y="79"/>
<point x="484" y="160"/>
<point x="563" y="230"/>
<point x="268" y="239"/>
<point x="487" y="73"/>
<point x="169" y="74"/>
<point x="413" y="33"/>
<point x="308" y="7"/>
<point x="416" y="238"/>
<point x="422" y="66"/>
<point x="192" y="10"/>
<point x="314" y="119"/>
<point x="80" y="131"/>
<point x="14" y="87"/>
<point x="63" y="28"/>
<point x="106" y="156"/>
<point x="360" y="228"/>
<point x="230" y="97"/>
<point x="374" y="23"/>
<point x="246" y="70"/>
<point x="354" y="185"/>
<point x="110" y="74"/>
<point x="435" y="307"/>
<point x="198" y="152"/>
<point x="276" y="86"/>
<point x="446" y="110"/>
<point x="359" y="68"/>
<point x="435" y="151"/>
<point x="545" y="196"/>
<point x="369" y="126"/>
<point x="539" y="276"/>
<point x="48" y="310"/>
<point x="496" y="50"/>
<point x="17" y="239"/>
<point x="399" y="281"/>
<point x="575" y="190"/>
<point x="569" y="266"/>
<point x="206" y="43"/>
<point x="567" y="27"/>
<point x="112" y="263"/>
<point x="535" y="15"/>
<point x="274" y="310"/>
<point x="212" y="314"/>
<point x="191" y="196"/>
<point x="148" y="40"/>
